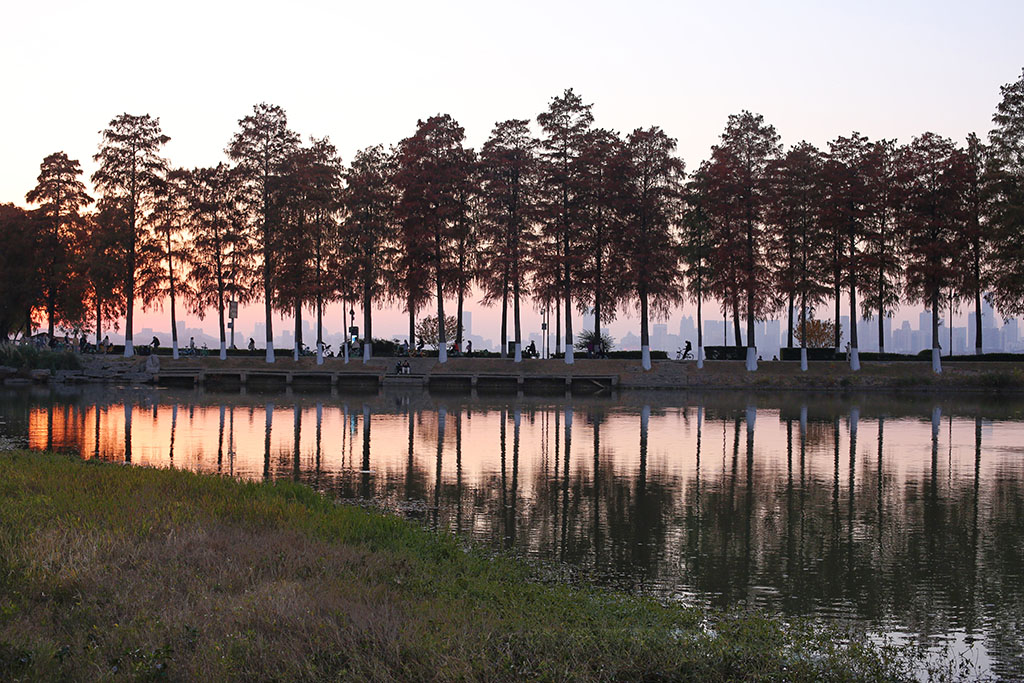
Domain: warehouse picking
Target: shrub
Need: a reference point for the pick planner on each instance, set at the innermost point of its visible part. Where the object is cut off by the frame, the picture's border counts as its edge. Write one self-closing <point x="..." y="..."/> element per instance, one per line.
<point x="587" y="338"/>
<point x="27" y="357"/>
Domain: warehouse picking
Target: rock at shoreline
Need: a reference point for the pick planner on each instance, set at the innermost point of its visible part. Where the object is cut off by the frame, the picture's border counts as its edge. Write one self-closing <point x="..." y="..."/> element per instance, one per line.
<point x="40" y="375"/>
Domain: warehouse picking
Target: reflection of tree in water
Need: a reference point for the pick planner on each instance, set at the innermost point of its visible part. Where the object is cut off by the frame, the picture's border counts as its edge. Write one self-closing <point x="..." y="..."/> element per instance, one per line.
<point x="922" y="553"/>
<point x="611" y="526"/>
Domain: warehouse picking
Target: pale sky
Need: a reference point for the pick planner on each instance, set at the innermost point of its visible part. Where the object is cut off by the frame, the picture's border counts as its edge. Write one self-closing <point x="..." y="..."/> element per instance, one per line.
<point x="363" y="73"/>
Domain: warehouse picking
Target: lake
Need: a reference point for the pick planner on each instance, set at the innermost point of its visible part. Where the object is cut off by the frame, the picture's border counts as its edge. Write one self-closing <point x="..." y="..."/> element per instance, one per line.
<point x="904" y="515"/>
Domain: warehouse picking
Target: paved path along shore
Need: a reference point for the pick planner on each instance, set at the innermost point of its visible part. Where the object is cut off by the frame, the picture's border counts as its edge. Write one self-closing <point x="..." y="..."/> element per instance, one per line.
<point x="626" y="374"/>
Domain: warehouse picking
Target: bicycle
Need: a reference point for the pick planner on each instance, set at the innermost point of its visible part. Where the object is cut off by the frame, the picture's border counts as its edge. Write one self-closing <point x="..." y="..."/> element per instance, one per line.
<point x="683" y="355"/>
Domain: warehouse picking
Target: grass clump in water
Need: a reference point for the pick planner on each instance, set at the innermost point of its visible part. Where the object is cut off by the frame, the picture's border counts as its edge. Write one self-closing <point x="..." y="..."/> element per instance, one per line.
<point x="110" y="571"/>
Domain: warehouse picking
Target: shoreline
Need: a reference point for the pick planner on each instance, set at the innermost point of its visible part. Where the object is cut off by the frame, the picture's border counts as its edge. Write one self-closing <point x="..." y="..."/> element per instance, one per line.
<point x="505" y="376"/>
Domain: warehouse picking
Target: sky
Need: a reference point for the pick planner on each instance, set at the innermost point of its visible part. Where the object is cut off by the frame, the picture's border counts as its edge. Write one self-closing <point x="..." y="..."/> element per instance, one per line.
<point x="364" y="73"/>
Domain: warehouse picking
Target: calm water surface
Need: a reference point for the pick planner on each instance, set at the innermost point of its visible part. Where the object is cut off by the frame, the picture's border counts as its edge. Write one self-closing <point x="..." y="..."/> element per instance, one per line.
<point x="902" y="515"/>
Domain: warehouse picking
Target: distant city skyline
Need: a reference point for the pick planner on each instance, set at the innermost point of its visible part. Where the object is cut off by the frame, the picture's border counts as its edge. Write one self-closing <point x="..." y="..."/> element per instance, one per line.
<point x="999" y="334"/>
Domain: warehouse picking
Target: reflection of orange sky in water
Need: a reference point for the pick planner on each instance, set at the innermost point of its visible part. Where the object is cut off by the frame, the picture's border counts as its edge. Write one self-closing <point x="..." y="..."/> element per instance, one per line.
<point x="232" y="439"/>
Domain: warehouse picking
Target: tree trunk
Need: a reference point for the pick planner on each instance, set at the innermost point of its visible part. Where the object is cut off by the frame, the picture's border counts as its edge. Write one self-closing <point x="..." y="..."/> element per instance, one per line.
<point x="751" y="344"/>
<point x="459" y="305"/>
<point x="977" y="321"/>
<point x="568" y="306"/>
<point x="442" y="338"/>
<point x="854" y="353"/>
<point x="950" y="325"/>
<point x="803" y="331"/>
<point x="412" y="324"/>
<point x="936" y="362"/>
<point x="268" y="311"/>
<point x="645" y="342"/>
<point x="881" y="331"/>
<point x="99" y="322"/>
<point x="700" y="329"/>
<point x="319" y="327"/>
<point x="298" y="329"/>
<point x="517" y="323"/>
<point x="558" y="325"/>
<point x="129" y="349"/>
<point x="367" y="323"/>
<point x="345" y="318"/>
<point x="736" y="323"/>
<point x="881" y="310"/>
<point x="174" y="318"/>
<point x="789" y="326"/>
<point x="504" y="317"/>
<point x="597" y="289"/>
<point x="220" y="320"/>
<point x="838" y="299"/>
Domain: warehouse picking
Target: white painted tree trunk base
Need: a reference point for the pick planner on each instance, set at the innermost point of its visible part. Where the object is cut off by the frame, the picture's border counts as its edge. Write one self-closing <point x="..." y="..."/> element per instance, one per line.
<point x="751" y="359"/>
<point x="319" y="353"/>
<point x="937" y="361"/>
<point x="296" y="351"/>
<point x="223" y="351"/>
<point x="700" y="357"/>
<point x="174" y="349"/>
<point x="569" y="360"/>
<point x="854" y="359"/>
<point x="368" y="352"/>
<point x="645" y="357"/>
<point x="270" y="351"/>
<point x="519" y="352"/>
<point x="129" y="349"/>
<point x="803" y="358"/>
<point x="442" y="354"/>
<point x="346" y="353"/>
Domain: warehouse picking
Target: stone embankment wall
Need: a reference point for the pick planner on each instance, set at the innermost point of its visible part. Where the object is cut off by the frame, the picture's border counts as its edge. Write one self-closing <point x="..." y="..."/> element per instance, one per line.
<point x="95" y="369"/>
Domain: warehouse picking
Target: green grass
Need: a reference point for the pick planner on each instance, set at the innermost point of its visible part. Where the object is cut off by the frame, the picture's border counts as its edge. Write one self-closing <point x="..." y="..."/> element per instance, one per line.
<point x="114" y="572"/>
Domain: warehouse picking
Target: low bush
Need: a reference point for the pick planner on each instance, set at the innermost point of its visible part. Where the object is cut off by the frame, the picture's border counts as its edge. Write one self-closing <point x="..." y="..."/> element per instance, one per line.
<point x="27" y="357"/>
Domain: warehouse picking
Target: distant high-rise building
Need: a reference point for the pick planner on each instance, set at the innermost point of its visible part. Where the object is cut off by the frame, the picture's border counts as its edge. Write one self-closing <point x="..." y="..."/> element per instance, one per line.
<point x="1011" y="334"/>
<point x="688" y="329"/>
<point x="659" y="336"/>
<point x="714" y="334"/>
<point x="902" y="338"/>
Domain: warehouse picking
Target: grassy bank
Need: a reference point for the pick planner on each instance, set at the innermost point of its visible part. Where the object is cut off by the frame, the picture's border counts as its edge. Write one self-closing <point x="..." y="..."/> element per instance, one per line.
<point x="118" y="572"/>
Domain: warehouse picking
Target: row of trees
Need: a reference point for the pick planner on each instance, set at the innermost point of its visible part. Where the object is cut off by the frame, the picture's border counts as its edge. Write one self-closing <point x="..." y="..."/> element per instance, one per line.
<point x="580" y="218"/>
